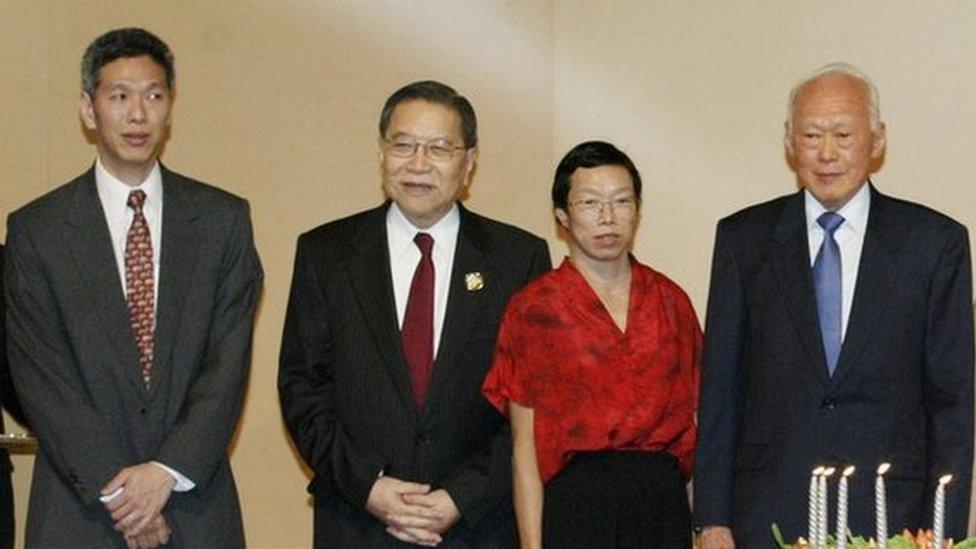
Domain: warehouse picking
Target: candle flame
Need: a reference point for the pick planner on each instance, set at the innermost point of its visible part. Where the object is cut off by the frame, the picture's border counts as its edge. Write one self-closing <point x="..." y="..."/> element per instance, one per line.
<point x="945" y="480"/>
<point x="848" y="471"/>
<point x="883" y="468"/>
<point x="818" y="471"/>
<point x="828" y="471"/>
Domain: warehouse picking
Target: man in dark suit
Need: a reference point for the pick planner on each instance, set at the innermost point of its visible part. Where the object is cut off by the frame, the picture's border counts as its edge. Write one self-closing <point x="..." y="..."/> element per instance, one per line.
<point x="839" y="332"/>
<point x="10" y="403"/>
<point x="391" y="323"/>
<point x="130" y="331"/>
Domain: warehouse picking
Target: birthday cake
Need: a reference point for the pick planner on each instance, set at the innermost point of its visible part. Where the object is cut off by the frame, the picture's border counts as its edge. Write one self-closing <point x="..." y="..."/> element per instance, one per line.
<point x="923" y="539"/>
<point x="819" y="504"/>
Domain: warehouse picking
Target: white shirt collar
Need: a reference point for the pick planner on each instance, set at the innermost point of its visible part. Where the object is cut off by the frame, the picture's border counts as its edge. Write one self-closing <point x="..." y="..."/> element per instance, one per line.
<point x="400" y="231"/>
<point x="113" y="191"/>
<point x="855" y="212"/>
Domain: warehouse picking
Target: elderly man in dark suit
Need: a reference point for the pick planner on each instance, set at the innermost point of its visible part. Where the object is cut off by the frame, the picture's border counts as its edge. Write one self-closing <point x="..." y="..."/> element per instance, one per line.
<point x="390" y="329"/>
<point x="8" y="398"/>
<point x="131" y="292"/>
<point x="839" y="332"/>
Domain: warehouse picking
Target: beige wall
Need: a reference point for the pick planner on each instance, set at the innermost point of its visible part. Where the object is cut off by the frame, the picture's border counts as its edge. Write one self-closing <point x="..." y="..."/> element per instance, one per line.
<point x="696" y="91"/>
<point x="277" y="102"/>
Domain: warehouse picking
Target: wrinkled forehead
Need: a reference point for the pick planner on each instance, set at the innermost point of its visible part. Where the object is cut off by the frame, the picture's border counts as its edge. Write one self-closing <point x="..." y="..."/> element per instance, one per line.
<point x="832" y="89"/>
<point x="424" y="120"/>
<point x="835" y="98"/>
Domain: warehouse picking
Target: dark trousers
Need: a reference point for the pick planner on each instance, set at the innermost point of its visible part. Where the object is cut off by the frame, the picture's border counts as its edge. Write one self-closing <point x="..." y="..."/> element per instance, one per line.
<point x="617" y="500"/>
<point x="6" y="511"/>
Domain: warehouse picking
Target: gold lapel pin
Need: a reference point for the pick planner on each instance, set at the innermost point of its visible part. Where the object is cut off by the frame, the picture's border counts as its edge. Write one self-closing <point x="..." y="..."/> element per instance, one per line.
<point x="474" y="282"/>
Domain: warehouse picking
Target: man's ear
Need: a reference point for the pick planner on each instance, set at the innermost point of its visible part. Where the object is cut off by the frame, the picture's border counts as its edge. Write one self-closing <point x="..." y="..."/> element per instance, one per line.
<point x="879" y="138"/>
<point x="788" y="140"/>
<point x="87" y="111"/>
<point x="471" y="161"/>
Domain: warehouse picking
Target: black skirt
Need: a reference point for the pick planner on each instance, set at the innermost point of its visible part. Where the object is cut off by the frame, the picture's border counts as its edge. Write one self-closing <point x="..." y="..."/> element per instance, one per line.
<point x="617" y="500"/>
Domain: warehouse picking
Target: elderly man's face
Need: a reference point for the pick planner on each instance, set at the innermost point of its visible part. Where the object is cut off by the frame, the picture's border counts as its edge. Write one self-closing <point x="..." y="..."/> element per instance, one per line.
<point x="831" y="141"/>
<point x="425" y="188"/>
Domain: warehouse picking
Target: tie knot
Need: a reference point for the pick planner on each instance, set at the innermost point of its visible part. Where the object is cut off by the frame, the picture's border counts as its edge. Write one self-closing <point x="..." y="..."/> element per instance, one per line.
<point x="136" y="199"/>
<point x="425" y="242"/>
<point x="830" y="221"/>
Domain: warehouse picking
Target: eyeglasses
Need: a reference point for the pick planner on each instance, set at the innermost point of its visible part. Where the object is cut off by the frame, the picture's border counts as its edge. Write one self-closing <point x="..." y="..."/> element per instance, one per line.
<point x="437" y="150"/>
<point x="624" y="204"/>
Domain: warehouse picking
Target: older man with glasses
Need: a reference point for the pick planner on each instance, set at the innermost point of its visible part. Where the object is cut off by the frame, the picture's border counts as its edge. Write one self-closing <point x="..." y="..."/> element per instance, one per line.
<point x="390" y="328"/>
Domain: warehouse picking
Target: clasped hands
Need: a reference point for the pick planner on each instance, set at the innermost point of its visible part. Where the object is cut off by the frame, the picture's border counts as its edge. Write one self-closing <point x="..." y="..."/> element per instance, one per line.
<point x="137" y="509"/>
<point x="412" y="512"/>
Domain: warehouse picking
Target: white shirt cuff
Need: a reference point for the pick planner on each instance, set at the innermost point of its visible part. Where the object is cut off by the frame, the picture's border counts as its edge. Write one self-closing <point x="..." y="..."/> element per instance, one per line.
<point x="183" y="484"/>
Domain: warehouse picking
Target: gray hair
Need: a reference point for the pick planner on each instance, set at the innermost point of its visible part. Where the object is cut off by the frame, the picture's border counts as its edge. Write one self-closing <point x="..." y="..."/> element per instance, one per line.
<point x="838" y="69"/>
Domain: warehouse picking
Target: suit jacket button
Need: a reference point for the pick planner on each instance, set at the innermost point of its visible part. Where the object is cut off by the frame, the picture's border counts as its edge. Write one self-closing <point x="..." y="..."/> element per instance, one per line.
<point x="829" y="404"/>
<point x="142" y="411"/>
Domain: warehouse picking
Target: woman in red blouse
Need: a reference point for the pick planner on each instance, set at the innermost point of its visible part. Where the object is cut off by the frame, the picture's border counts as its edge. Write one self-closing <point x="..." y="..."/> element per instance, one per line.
<point x="597" y="366"/>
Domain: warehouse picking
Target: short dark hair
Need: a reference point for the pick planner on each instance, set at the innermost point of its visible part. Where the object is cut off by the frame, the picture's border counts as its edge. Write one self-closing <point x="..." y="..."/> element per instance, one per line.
<point x="121" y="43"/>
<point x="434" y="92"/>
<point x="590" y="154"/>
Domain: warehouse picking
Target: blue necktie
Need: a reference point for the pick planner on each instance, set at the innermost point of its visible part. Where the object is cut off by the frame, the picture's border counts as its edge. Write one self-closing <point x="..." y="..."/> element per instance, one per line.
<point x="827" y="281"/>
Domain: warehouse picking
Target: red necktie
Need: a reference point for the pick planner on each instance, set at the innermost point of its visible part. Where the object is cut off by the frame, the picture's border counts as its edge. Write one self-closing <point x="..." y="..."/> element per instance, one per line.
<point x="418" y="322"/>
<point x="139" y="284"/>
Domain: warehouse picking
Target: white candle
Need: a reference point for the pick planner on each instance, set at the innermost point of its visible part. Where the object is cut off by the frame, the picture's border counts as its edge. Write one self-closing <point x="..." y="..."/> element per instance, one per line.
<point x="842" y="508"/>
<point x="823" y="506"/>
<point x="938" y="515"/>
<point x="881" y="507"/>
<point x="814" y="506"/>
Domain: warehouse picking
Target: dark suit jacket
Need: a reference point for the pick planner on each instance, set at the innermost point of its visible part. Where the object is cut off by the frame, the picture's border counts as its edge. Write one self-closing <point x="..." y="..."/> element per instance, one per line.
<point x="74" y="360"/>
<point x="10" y="403"/>
<point x="902" y="392"/>
<point x="345" y="391"/>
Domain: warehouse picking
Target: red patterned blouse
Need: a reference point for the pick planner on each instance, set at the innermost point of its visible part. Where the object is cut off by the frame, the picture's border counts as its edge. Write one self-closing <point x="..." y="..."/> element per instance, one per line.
<point x="591" y="386"/>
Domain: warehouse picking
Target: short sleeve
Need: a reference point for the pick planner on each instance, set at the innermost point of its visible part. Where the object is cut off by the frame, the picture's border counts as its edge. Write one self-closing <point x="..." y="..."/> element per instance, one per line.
<point x="508" y="378"/>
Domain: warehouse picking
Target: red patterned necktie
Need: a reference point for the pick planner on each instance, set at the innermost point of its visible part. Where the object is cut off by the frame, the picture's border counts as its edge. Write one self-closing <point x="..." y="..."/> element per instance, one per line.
<point x="139" y="284"/>
<point x="418" y="322"/>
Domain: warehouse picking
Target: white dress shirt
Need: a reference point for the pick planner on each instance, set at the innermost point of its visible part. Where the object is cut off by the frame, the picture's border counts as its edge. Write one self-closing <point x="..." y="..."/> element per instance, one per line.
<point x="850" y="240"/>
<point x="114" y="196"/>
<point x="405" y="256"/>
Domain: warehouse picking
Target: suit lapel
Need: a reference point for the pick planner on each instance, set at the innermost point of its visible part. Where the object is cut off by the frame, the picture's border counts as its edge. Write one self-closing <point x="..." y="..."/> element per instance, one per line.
<point x="463" y="306"/>
<point x="90" y="244"/>
<point x="369" y="271"/>
<point x="791" y="261"/>
<point x="875" y="282"/>
<point x="177" y="264"/>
